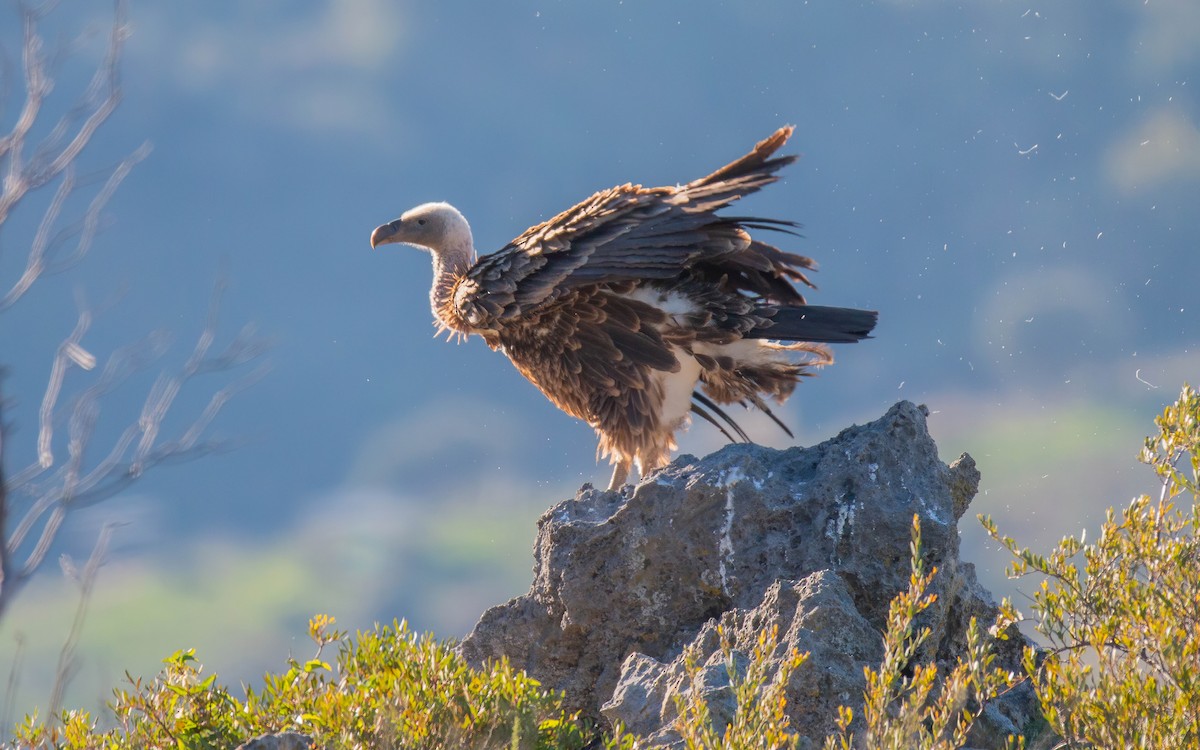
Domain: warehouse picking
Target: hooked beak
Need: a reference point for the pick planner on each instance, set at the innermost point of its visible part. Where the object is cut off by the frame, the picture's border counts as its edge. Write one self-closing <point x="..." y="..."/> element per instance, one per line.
<point x="386" y="233"/>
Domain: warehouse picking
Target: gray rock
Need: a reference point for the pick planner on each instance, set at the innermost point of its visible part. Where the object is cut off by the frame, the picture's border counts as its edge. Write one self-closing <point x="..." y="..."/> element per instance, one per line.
<point x="280" y="741"/>
<point x="815" y="615"/>
<point x="815" y="540"/>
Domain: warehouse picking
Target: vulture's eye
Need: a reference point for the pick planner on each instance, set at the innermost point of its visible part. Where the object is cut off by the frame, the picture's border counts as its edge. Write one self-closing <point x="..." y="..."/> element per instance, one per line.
<point x="421" y="222"/>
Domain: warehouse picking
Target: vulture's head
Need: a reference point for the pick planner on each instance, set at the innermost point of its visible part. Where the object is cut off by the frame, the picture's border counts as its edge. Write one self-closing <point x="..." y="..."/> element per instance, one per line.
<point x="437" y="227"/>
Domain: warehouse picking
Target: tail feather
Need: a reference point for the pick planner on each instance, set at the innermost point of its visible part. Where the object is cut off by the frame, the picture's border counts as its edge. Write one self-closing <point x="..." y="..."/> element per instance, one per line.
<point x="816" y="323"/>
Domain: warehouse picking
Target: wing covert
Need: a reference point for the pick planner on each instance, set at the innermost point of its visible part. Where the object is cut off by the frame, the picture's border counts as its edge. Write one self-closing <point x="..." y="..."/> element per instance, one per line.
<point x="625" y="233"/>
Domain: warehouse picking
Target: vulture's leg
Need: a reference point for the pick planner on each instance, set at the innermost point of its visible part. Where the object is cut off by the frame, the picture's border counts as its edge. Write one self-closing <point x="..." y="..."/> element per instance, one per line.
<point x="620" y="474"/>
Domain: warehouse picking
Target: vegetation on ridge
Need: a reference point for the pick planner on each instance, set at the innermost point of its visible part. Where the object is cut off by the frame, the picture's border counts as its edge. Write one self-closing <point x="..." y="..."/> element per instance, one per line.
<point x="1120" y="616"/>
<point x="1121" y="666"/>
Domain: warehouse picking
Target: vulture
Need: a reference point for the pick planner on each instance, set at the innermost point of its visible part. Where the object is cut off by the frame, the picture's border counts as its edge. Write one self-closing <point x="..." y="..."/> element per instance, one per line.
<point x="640" y="306"/>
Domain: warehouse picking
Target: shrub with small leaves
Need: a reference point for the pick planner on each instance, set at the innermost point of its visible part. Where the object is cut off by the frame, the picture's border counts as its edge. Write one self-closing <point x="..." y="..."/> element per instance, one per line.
<point x="908" y="705"/>
<point x="74" y="729"/>
<point x="179" y="708"/>
<point x="388" y="688"/>
<point x="760" y="720"/>
<point x="1121" y="615"/>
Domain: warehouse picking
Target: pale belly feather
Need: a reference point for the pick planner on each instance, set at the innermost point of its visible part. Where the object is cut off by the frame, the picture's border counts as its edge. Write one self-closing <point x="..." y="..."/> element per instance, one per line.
<point x="677" y="390"/>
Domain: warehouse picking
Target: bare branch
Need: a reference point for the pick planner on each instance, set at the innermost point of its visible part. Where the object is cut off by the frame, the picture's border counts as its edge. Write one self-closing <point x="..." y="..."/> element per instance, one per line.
<point x="102" y="97"/>
<point x="6" y="573"/>
<point x="189" y="440"/>
<point x="55" y="155"/>
<point x="35" y="263"/>
<point x="67" y="663"/>
<point x="71" y="486"/>
<point x="66" y="474"/>
<point x="58" y="372"/>
<point x="14" y="678"/>
<point x="91" y="219"/>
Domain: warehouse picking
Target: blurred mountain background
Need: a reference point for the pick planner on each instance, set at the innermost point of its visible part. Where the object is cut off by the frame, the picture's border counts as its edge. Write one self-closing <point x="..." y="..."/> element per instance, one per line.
<point x="1015" y="187"/>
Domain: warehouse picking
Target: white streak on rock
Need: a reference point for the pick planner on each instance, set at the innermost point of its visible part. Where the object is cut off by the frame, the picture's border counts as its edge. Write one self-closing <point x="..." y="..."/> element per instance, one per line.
<point x="845" y="518"/>
<point x="725" y="545"/>
<point x="931" y="511"/>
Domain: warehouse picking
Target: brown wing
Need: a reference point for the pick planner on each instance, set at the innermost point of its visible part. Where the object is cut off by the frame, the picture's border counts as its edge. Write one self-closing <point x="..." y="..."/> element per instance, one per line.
<point x="635" y="233"/>
<point x="595" y="356"/>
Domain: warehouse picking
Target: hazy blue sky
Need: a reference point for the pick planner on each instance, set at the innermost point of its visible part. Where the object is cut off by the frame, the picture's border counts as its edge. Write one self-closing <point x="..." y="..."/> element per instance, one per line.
<point x="1013" y="186"/>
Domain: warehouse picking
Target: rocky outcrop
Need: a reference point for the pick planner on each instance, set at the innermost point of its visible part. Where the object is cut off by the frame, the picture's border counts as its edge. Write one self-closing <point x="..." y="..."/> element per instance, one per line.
<point x="280" y="741"/>
<point x="813" y="540"/>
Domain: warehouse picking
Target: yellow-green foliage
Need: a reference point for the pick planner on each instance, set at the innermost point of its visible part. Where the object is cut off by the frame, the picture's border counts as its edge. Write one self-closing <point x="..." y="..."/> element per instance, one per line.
<point x="760" y="720"/>
<point x="920" y="711"/>
<point x="390" y="688"/>
<point x="907" y="705"/>
<point x="1121" y="615"/>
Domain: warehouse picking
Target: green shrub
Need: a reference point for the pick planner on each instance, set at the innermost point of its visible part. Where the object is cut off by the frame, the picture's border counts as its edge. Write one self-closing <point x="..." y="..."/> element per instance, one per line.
<point x="760" y="720"/>
<point x="1121" y="615"/>
<point x="908" y="705"/>
<point x="389" y="688"/>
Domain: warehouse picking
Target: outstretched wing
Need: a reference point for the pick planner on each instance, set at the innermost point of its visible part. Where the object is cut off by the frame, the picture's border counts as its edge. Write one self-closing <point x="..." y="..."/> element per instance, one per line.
<point x="635" y="233"/>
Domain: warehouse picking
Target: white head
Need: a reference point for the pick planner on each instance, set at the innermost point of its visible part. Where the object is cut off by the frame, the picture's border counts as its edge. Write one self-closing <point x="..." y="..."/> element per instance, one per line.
<point x="437" y="227"/>
<point x="442" y="230"/>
